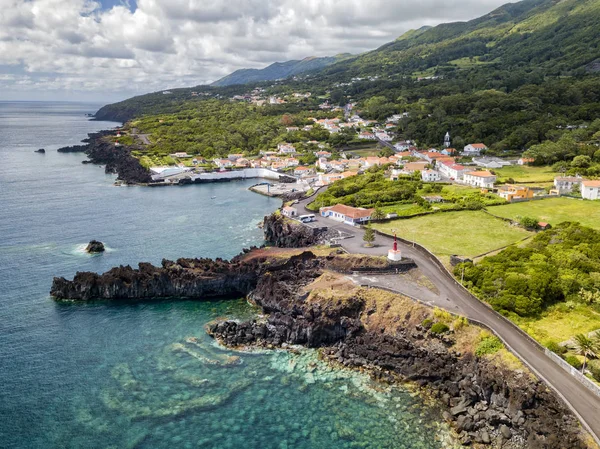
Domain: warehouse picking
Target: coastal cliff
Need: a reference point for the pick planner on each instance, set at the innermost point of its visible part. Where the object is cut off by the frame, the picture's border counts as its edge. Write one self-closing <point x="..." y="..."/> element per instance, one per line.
<point x="489" y="399"/>
<point x="184" y="278"/>
<point x="487" y="403"/>
<point x="117" y="159"/>
<point x="285" y="233"/>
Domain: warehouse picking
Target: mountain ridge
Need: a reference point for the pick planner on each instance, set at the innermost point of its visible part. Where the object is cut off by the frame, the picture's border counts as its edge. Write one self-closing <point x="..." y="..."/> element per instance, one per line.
<point x="278" y="70"/>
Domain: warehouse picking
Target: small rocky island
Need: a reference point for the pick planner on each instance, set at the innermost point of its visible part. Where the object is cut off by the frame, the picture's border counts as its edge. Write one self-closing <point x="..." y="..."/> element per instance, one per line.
<point x="41" y="151"/>
<point x="95" y="247"/>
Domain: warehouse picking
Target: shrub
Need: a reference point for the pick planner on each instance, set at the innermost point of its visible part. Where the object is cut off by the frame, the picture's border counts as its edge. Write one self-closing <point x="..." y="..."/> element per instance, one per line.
<point x="488" y="345"/>
<point x="595" y="370"/>
<point x="555" y="347"/>
<point x="427" y="323"/>
<point x="459" y="323"/>
<point x="442" y="315"/>
<point x="439" y="328"/>
<point x="574" y="361"/>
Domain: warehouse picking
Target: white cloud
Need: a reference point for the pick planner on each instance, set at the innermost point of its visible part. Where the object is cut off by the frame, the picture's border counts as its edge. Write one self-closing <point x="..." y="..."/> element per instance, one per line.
<point x="74" y="46"/>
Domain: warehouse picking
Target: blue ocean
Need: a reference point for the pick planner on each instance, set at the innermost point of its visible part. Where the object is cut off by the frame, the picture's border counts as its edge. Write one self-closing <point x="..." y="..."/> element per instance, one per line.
<point x="144" y="374"/>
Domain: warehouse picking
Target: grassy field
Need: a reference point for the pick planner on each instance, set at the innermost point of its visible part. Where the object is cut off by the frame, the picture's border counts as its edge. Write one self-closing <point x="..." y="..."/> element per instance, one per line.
<point x="525" y="173"/>
<point x="466" y="233"/>
<point x="560" y="322"/>
<point x="554" y="211"/>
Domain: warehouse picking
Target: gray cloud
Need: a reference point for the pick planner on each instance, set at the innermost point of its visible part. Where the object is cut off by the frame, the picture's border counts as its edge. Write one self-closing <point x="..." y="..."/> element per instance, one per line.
<point x="73" y="47"/>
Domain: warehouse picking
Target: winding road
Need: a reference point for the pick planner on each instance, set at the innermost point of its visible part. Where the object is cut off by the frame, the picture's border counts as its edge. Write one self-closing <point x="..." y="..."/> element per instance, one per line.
<point x="455" y="298"/>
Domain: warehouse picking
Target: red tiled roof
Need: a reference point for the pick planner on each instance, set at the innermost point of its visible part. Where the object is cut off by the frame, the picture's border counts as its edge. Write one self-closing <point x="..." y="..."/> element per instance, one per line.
<point x="351" y="212"/>
<point x="591" y="183"/>
<point x="481" y="174"/>
<point x="478" y="145"/>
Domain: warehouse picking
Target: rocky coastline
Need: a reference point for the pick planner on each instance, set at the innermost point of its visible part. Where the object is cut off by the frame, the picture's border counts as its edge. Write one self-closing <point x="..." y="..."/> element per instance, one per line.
<point x="116" y="159"/>
<point x="487" y="405"/>
<point x="307" y="301"/>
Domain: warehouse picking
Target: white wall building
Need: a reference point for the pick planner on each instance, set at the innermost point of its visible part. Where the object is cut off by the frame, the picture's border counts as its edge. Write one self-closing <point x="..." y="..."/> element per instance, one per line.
<point x="474" y="149"/>
<point x="430" y="176"/>
<point x="590" y="190"/>
<point x="483" y="179"/>
<point x="565" y="184"/>
<point x="452" y="171"/>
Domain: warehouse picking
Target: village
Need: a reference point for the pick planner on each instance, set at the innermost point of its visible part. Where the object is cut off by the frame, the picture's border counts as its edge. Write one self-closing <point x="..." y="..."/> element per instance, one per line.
<point x="468" y="167"/>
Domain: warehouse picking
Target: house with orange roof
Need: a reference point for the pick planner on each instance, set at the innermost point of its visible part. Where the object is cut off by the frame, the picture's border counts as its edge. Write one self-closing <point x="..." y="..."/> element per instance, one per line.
<point x="452" y="170"/>
<point x="590" y="190"/>
<point x="483" y="179"/>
<point x="347" y="214"/>
<point x="412" y="167"/>
<point x="526" y="161"/>
<point x="371" y="161"/>
<point x="303" y="171"/>
<point x="512" y="192"/>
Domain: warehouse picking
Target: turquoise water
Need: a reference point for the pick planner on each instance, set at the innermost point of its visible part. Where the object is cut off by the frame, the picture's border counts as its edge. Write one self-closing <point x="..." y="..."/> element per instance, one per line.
<point x="145" y="375"/>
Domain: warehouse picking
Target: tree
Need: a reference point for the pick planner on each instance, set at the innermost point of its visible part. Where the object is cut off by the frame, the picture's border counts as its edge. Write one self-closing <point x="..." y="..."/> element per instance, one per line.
<point x="528" y="222"/>
<point x="378" y="214"/>
<point x="586" y="347"/>
<point x="369" y="236"/>
<point x="581" y="162"/>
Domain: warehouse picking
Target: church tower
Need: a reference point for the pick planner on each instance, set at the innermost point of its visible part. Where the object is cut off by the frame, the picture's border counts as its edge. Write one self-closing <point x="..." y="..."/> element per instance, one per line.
<point x="447" y="140"/>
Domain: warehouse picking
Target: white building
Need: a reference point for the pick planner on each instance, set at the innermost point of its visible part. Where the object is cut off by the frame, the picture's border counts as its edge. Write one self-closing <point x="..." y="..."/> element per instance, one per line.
<point x="483" y="179"/>
<point x="590" y="190"/>
<point x="565" y="184"/>
<point x="286" y="148"/>
<point x="490" y="162"/>
<point x="430" y="176"/>
<point x="452" y="171"/>
<point x="474" y="149"/>
<point x="347" y="214"/>
<point x="403" y="145"/>
<point x="382" y="135"/>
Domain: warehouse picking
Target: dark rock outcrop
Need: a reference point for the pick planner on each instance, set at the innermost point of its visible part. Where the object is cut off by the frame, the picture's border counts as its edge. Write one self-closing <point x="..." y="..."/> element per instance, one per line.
<point x="117" y="159"/>
<point x="486" y="404"/>
<point x="285" y="233"/>
<point x="95" y="247"/>
<point x="185" y="278"/>
<point x="73" y="149"/>
<point x="41" y="151"/>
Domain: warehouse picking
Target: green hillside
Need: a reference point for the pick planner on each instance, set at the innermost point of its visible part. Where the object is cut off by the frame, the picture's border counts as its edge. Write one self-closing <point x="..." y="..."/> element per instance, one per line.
<point x="511" y="79"/>
<point x="558" y="36"/>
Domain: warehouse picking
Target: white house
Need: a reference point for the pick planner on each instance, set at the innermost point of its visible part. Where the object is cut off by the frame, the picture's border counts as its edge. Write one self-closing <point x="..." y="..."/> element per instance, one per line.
<point x="382" y="135"/>
<point x="323" y="164"/>
<point x="483" y="179"/>
<point x="403" y="145"/>
<point x="286" y="148"/>
<point x="223" y="163"/>
<point x="289" y="211"/>
<point x="430" y="175"/>
<point x="526" y="161"/>
<point x="347" y="214"/>
<point x="565" y="184"/>
<point x="474" y="149"/>
<point x="452" y="171"/>
<point x="367" y="136"/>
<point x="590" y="190"/>
<point x="490" y="162"/>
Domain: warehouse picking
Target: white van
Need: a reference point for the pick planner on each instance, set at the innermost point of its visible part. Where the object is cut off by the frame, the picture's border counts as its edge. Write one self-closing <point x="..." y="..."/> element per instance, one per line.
<point x="307" y="218"/>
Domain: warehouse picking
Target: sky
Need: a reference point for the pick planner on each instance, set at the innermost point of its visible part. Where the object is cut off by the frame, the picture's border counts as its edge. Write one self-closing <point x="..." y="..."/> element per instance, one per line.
<point x="110" y="50"/>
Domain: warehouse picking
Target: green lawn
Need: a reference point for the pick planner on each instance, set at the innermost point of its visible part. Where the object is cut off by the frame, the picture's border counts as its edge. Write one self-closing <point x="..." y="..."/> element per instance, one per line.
<point x="554" y="211"/>
<point x="525" y="173"/>
<point x="466" y="233"/>
<point x="560" y="322"/>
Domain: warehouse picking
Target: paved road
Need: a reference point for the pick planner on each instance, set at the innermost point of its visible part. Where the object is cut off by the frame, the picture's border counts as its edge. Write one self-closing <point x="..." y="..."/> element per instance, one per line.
<point x="455" y="298"/>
